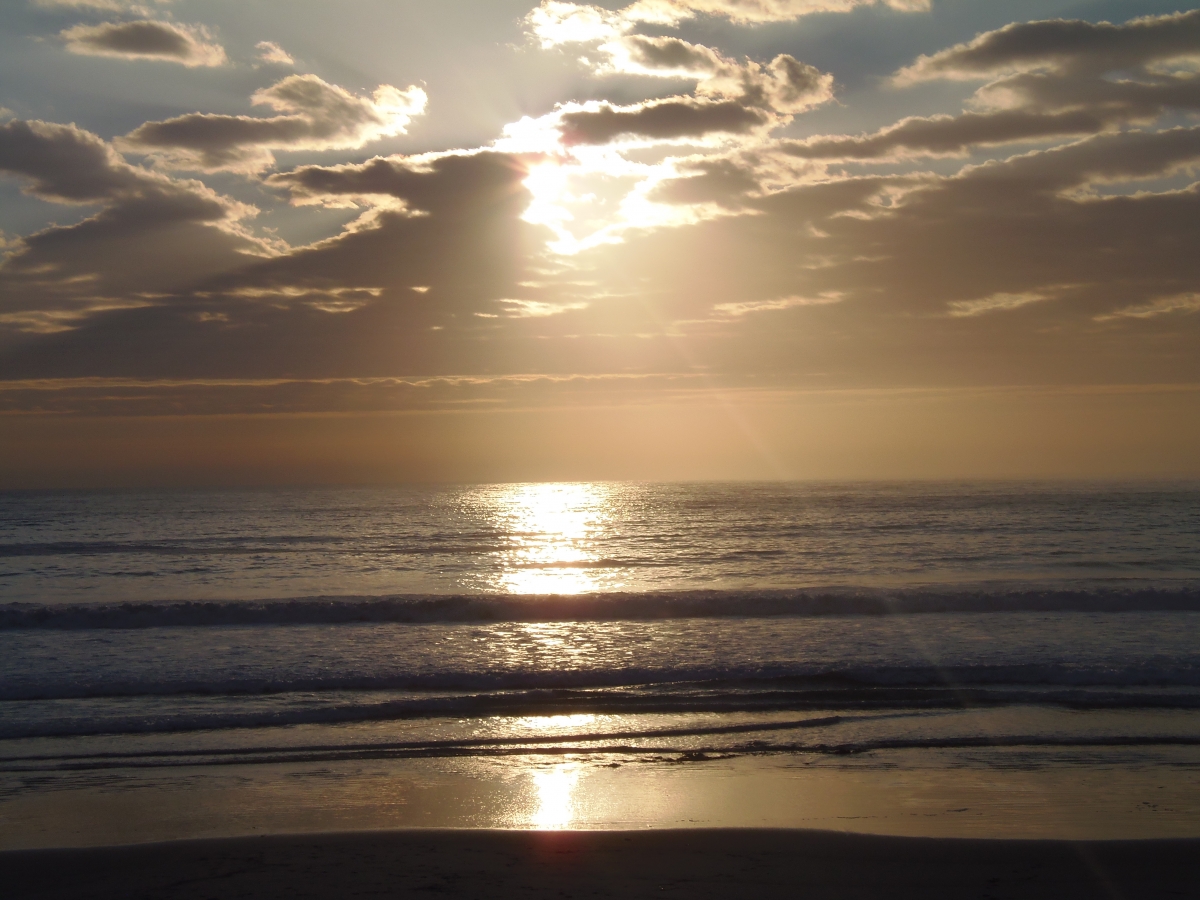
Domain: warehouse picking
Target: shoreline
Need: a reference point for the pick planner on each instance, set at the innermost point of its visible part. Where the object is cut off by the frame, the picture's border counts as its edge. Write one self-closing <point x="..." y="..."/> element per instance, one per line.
<point x="1011" y="793"/>
<point x="692" y="863"/>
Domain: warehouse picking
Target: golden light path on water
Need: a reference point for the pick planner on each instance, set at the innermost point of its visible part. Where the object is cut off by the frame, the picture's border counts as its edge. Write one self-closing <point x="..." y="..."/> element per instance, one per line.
<point x="552" y="531"/>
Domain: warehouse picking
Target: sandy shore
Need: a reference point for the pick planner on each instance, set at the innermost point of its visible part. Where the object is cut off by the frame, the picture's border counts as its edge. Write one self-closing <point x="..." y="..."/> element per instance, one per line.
<point x="691" y="864"/>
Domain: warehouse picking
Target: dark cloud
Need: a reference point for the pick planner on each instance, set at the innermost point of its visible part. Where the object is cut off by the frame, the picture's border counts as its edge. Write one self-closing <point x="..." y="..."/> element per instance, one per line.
<point x="948" y="135"/>
<point x="108" y="5"/>
<point x="1028" y="227"/>
<point x="671" y="53"/>
<point x="65" y="164"/>
<point x="720" y="181"/>
<point x="348" y="305"/>
<point x="146" y="39"/>
<point x="661" y="120"/>
<point x="458" y="234"/>
<point x="315" y="115"/>
<point x="152" y="233"/>
<point x="462" y="182"/>
<point x="1099" y="78"/>
<point x="1064" y="45"/>
<point x="1115" y="99"/>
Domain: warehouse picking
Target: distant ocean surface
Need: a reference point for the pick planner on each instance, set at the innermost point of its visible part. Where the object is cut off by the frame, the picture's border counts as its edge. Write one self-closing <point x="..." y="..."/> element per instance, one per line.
<point x="166" y="629"/>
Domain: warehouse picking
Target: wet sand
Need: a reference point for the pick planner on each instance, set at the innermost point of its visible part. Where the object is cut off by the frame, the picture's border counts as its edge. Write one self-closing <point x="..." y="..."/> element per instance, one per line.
<point x="685" y="864"/>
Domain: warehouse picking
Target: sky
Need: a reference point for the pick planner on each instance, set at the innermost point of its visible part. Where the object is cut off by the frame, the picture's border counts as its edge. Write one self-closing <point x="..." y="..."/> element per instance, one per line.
<point x="268" y="242"/>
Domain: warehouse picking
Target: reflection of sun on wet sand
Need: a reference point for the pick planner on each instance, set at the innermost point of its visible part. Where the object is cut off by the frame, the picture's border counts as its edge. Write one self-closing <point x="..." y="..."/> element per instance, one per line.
<point x="554" y="788"/>
<point x="682" y="864"/>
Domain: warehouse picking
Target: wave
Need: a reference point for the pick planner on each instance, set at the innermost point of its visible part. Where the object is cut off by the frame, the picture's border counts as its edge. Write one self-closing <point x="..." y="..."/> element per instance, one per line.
<point x="249" y="546"/>
<point x="738" y="684"/>
<point x="598" y="607"/>
<point x="166" y="714"/>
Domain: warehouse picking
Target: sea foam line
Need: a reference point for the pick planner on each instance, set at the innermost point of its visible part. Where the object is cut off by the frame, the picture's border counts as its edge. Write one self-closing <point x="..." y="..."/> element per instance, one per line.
<point x="517" y="747"/>
<point x="533" y="739"/>
<point x="30" y="724"/>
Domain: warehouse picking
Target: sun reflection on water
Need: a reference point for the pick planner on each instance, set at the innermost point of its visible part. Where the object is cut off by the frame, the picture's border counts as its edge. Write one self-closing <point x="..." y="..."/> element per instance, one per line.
<point x="553" y="531"/>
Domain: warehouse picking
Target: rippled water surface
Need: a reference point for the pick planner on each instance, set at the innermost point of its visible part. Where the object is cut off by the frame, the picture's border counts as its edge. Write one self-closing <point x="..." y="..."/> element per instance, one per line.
<point x="579" y="538"/>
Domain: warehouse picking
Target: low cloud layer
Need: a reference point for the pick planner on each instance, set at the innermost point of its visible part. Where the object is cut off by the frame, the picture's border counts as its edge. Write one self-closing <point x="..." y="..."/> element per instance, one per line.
<point x="146" y="39"/>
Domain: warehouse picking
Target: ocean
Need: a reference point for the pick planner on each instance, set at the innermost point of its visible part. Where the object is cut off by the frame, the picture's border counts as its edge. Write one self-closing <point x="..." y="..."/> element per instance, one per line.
<point x="156" y="635"/>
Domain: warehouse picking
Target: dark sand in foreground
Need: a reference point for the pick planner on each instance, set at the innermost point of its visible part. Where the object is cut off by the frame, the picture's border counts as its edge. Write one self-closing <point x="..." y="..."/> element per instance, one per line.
<point x="692" y="864"/>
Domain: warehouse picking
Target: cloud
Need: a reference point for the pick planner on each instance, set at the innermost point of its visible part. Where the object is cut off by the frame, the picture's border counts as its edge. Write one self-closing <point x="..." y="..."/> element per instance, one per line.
<point x="189" y="45"/>
<point x="754" y="306"/>
<point x="1024" y="230"/>
<point x="949" y="135"/>
<point x="449" y="240"/>
<point x="270" y="52"/>
<point x="151" y="235"/>
<point x="730" y="98"/>
<point x="998" y="268"/>
<point x="554" y="22"/>
<point x="668" y="56"/>
<point x="784" y="85"/>
<point x="662" y="120"/>
<point x="1180" y="303"/>
<point x="65" y="164"/>
<point x="724" y="182"/>
<point x="1063" y="45"/>
<point x="595" y="196"/>
<point x="314" y="115"/>
<point x="746" y="12"/>
<point x="1058" y="79"/>
<point x="441" y="183"/>
<point x="994" y="303"/>
<point x="107" y="5"/>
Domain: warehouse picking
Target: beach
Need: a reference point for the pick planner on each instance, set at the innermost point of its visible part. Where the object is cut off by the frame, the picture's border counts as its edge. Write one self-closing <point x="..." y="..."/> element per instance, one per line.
<point x="692" y="864"/>
<point x="619" y="690"/>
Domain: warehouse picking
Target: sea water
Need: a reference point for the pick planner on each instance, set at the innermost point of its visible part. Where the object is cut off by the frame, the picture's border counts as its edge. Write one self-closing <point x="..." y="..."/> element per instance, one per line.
<point x="146" y="635"/>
